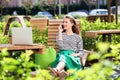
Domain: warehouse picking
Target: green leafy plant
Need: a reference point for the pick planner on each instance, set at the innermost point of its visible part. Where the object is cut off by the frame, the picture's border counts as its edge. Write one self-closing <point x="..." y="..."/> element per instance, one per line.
<point x="4" y="39"/>
<point x="40" y="37"/>
<point x="15" y="68"/>
<point x="104" y="68"/>
<point x="22" y="67"/>
<point x="2" y="24"/>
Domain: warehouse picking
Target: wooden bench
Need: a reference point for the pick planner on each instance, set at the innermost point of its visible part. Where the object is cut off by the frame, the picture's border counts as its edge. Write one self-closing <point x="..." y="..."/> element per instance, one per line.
<point x="40" y="49"/>
<point x="106" y="34"/>
<point x="53" y="29"/>
<point x="92" y="18"/>
<point x="40" y="23"/>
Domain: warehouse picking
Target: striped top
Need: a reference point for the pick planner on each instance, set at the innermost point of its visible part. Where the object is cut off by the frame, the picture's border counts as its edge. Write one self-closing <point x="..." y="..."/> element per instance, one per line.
<point x="70" y="42"/>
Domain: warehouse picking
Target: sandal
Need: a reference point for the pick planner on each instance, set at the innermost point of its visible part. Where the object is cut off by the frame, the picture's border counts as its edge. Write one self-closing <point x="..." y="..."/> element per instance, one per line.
<point x="53" y="72"/>
<point x="62" y="75"/>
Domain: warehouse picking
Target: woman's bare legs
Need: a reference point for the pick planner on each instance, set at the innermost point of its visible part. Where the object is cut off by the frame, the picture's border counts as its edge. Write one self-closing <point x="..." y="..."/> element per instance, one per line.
<point x="60" y="66"/>
<point x="59" y="71"/>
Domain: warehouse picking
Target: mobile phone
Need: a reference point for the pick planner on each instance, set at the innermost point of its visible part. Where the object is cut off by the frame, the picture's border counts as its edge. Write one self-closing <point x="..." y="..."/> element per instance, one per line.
<point x="62" y="27"/>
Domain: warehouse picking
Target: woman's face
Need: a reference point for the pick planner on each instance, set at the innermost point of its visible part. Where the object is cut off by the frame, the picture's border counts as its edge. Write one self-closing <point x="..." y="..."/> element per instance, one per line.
<point x="67" y="23"/>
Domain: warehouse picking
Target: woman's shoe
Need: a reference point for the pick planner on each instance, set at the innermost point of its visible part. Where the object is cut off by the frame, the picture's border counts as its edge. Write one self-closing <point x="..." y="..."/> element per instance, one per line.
<point x="62" y="75"/>
<point x="53" y="72"/>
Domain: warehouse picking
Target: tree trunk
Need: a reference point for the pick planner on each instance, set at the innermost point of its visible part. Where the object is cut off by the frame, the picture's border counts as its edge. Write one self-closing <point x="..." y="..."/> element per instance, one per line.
<point x="1" y="15"/>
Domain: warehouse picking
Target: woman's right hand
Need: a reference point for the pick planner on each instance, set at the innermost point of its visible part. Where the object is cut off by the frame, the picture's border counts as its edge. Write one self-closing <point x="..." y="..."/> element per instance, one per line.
<point x="60" y="32"/>
<point x="60" y="28"/>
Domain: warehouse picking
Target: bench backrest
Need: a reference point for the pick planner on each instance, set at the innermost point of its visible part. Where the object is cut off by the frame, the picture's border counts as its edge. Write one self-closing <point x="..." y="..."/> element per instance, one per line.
<point x="40" y="23"/>
<point x="53" y="29"/>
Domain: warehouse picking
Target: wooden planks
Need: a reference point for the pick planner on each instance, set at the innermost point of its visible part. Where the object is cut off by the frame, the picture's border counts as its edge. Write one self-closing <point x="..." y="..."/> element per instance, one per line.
<point x="52" y="30"/>
<point x="40" y="23"/>
<point x="41" y="49"/>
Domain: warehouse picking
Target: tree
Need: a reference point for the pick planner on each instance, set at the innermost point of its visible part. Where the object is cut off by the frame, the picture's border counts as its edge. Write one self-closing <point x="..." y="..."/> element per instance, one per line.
<point x="3" y="3"/>
<point x="27" y="4"/>
<point x="53" y="5"/>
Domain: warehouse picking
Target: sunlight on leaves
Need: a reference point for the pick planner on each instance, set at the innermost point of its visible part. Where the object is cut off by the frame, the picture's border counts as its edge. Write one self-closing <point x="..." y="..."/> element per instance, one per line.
<point x="103" y="47"/>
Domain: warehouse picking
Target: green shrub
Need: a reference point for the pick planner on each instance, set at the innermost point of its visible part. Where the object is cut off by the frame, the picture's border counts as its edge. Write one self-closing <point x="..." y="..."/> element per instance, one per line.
<point x="104" y="68"/>
<point x="40" y="37"/>
<point x="21" y="67"/>
<point x="4" y="39"/>
<point x="2" y="24"/>
<point x="15" y="68"/>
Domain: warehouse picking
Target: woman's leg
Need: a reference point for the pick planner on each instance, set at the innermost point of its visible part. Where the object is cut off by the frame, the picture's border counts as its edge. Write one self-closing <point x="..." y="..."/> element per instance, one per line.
<point x="58" y="69"/>
<point x="60" y="66"/>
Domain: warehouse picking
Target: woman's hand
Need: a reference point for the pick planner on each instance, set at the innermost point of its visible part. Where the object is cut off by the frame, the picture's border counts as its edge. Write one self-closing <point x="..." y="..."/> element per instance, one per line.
<point x="60" y="32"/>
<point x="60" y="28"/>
<point x="74" y="54"/>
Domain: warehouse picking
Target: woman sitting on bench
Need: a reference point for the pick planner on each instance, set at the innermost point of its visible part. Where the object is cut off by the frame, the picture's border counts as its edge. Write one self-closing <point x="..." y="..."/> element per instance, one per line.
<point x="70" y="47"/>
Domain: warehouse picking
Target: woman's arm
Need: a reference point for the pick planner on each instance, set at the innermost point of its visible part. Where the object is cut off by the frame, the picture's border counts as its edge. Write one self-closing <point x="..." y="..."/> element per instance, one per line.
<point x="80" y="51"/>
<point x="59" y="39"/>
<point x="60" y="32"/>
<point x="79" y="45"/>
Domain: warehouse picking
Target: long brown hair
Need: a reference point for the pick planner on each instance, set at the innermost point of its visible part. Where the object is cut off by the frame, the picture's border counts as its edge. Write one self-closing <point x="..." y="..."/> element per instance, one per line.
<point x="75" y="27"/>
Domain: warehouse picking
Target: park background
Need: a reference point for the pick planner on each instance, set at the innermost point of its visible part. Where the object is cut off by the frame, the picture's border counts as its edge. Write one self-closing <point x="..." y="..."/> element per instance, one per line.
<point x="19" y="66"/>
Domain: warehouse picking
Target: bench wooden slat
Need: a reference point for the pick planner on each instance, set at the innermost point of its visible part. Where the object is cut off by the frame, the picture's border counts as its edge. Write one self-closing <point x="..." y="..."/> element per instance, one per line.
<point x="40" y="23"/>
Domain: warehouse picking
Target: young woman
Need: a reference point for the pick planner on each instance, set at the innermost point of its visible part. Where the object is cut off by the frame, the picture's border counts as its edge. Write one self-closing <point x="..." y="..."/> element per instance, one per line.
<point x="70" y="47"/>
